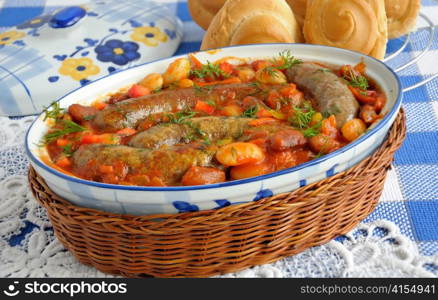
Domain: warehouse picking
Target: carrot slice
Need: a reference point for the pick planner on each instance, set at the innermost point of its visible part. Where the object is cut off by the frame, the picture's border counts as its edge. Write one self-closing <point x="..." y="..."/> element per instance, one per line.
<point x="225" y="81"/>
<point x="62" y="142"/>
<point x="138" y="90"/>
<point x="106" y="169"/>
<point x="204" y="107"/>
<point x="100" y="105"/>
<point x="195" y="62"/>
<point x="262" y="121"/>
<point x="365" y="97"/>
<point x="91" y="139"/>
<point x="127" y="131"/>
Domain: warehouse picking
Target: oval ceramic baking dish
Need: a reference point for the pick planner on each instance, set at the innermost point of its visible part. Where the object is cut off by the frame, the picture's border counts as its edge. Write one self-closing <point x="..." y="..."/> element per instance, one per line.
<point x="138" y="200"/>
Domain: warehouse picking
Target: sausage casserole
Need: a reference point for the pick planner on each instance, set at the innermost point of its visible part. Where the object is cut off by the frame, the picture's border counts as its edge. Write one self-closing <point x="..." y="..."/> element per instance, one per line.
<point x="198" y="124"/>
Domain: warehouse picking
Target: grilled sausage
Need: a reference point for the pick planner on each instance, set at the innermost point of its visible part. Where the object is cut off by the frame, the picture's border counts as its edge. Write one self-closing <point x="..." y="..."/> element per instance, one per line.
<point x="328" y="90"/>
<point x="169" y="163"/>
<point x="129" y="113"/>
<point x="213" y="128"/>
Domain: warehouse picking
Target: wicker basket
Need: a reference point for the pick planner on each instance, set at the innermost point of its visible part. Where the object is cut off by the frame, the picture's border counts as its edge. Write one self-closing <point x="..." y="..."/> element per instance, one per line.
<point x="206" y="243"/>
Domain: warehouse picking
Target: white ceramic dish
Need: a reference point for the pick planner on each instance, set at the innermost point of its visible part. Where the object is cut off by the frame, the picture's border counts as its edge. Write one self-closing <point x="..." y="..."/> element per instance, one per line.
<point x="150" y="200"/>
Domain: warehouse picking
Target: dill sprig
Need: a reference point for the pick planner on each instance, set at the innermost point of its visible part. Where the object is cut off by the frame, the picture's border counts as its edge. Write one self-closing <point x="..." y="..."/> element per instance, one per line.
<point x="312" y="130"/>
<point x="210" y="102"/>
<point x="250" y="112"/>
<point x="181" y="117"/>
<point x="357" y="80"/>
<point x="67" y="150"/>
<point x="302" y="116"/>
<point x="209" y="69"/>
<point x="272" y="71"/>
<point x="288" y="60"/>
<point x="53" y="111"/>
<point x="69" y="127"/>
<point x="201" y="90"/>
<point x="259" y="90"/>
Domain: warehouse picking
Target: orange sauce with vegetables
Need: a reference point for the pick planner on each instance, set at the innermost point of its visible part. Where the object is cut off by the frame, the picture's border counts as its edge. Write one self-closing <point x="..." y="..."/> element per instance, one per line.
<point x="284" y="129"/>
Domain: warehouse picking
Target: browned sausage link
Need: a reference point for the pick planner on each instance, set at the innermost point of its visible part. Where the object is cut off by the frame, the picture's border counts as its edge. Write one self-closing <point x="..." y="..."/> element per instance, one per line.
<point x="130" y="112"/>
<point x="279" y="136"/>
<point x="329" y="91"/>
<point x="170" y="163"/>
<point x="213" y="128"/>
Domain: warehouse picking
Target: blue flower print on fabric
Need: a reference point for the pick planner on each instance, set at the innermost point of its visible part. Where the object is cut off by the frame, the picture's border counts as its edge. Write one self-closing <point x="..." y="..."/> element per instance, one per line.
<point x="117" y="52"/>
<point x="263" y="194"/>
<point x="183" y="206"/>
<point x="53" y="78"/>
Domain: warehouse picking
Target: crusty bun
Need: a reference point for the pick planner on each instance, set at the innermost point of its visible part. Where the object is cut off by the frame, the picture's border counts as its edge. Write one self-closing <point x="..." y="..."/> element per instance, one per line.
<point x="252" y="22"/>
<point x="402" y="16"/>
<point x="358" y="25"/>
<point x="379" y="49"/>
<point x="203" y="11"/>
<point x="299" y="10"/>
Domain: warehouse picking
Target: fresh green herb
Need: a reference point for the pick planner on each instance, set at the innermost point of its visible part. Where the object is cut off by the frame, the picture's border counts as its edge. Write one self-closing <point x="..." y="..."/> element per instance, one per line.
<point x="67" y="150"/>
<point x="259" y="89"/>
<point x="54" y="111"/>
<point x="189" y="137"/>
<point x="69" y="127"/>
<point x="302" y="116"/>
<point x="356" y="80"/>
<point x="255" y="84"/>
<point x="272" y="71"/>
<point x="207" y="141"/>
<point x="325" y="114"/>
<point x="198" y="89"/>
<point x="250" y="112"/>
<point x="209" y="69"/>
<point x="181" y="116"/>
<point x="89" y="117"/>
<point x="201" y="90"/>
<point x="288" y="60"/>
<point x="325" y="70"/>
<point x="312" y="130"/>
<point x="210" y="102"/>
<point x="319" y="155"/>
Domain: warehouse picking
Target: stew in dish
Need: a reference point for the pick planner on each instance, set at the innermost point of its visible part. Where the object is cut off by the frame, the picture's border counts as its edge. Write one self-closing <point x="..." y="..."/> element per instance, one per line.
<point x="199" y="124"/>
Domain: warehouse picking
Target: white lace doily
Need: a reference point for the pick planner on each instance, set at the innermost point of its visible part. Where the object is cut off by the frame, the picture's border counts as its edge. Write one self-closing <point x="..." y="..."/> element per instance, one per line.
<point x="28" y="247"/>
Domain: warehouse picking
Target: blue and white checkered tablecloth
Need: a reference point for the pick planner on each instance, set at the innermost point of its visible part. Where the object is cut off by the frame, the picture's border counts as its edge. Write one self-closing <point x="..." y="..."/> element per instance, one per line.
<point x="410" y="198"/>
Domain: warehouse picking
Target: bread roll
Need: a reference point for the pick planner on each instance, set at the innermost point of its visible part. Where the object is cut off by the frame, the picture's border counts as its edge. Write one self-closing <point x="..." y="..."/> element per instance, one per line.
<point x="358" y="25"/>
<point x="379" y="49"/>
<point x="402" y="16"/>
<point x="203" y="11"/>
<point x="299" y="10"/>
<point x="252" y="22"/>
